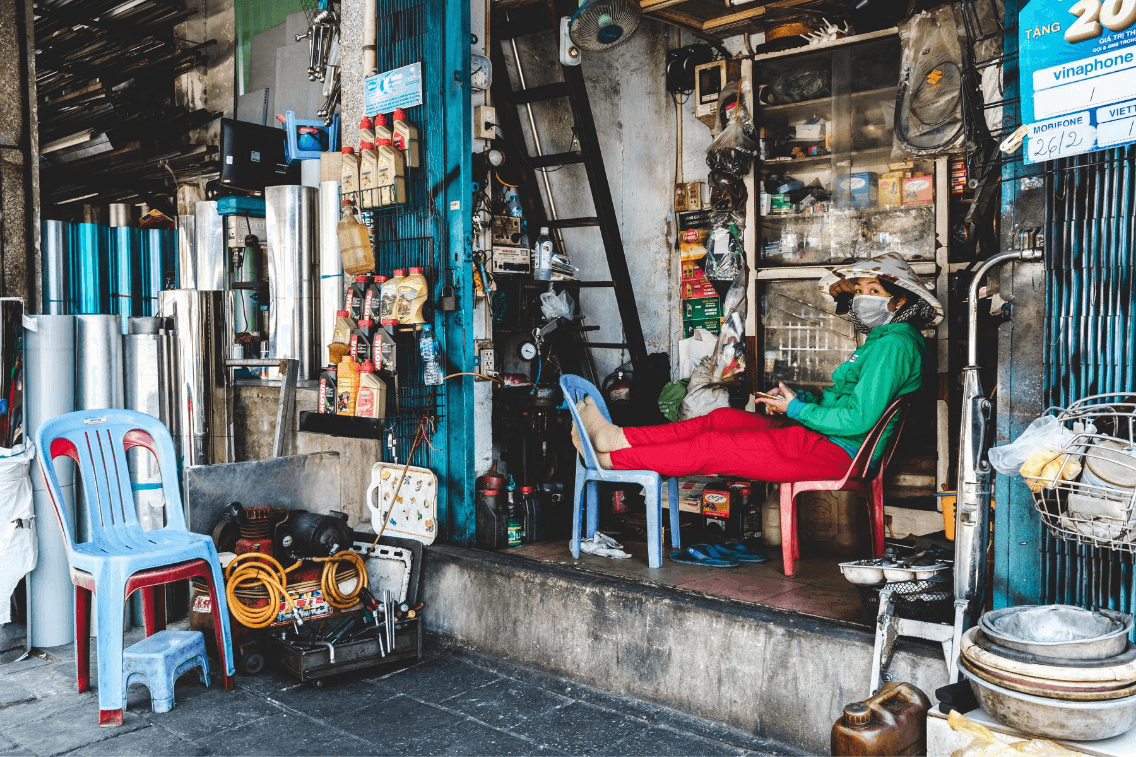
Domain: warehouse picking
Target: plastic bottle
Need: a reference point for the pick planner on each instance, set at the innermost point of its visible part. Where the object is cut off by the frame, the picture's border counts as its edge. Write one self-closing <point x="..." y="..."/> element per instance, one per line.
<point x="347" y="386"/>
<point x="372" y="400"/>
<point x="362" y="340"/>
<point x="530" y="514"/>
<point x="492" y="522"/>
<point x="406" y="138"/>
<point x="349" y="176"/>
<point x="382" y="131"/>
<point x="542" y="256"/>
<point x="341" y="336"/>
<point x="373" y="298"/>
<point x="354" y="243"/>
<point x="413" y="291"/>
<point x="355" y="297"/>
<point x="391" y="174"/>
<point x="369" y="186"/>
<point x="893" y="721"/>
<point x="388" y="313"/>
<point x="386" y="350"/>
<point x="327" y="391"/>
<point x="366" y="130"/>
<point x="428" y="348"/>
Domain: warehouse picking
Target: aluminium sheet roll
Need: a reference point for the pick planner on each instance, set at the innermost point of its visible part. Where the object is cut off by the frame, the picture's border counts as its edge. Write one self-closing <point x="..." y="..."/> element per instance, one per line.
<point x="98" y="379"/>
<point x="142" y="379"/>
<point x="90" y="266"/>
<point x="331" y="287"/>
<point x="125" y="279"/>
<point x="186" y="276"/>
<point x="159" y="267"/>
<point x="209" y="247"/>
<point x="290" y="215"/>
<point x="49" y="351"/>
<point x="56" y="237"/>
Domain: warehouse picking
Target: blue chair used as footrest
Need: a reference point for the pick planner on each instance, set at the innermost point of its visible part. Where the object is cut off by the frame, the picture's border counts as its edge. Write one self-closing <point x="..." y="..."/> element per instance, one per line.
<point x="157" y="661"/>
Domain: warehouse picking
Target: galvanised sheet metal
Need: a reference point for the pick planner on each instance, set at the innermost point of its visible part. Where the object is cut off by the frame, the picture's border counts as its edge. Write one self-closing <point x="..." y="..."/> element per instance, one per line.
<point x="142" y="383"/>
<point x="158" y="267"/>
<point x="331" y="285"/>
<point x="187" y="390"/>
<point x="209" y="247"/>
<point x="98" y="379"/>
<point x="186" y="268"/>
<point x="125" y="278"/>
<point x="90" y="267"/>
<point x="49" y="353"/>
<point x="56" y="237"/>
<point x="290" y="216"/>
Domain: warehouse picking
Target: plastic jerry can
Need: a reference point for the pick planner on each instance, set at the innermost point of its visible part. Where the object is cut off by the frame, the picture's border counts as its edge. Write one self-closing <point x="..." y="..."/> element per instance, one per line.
<point x="386" y="350"/>
<point x="406" y="138"/>
<point x="355" y="297"/>
<point x="366" y="130"/>
<point x="492" y="520"/>
<point x="368" y="175"/>
<point x="893" y="721"/>
<point x="362" y="340"/>
<point x="372" y="400"/>
<point x="413" y="291"/>
<point x="327" y="392"/>
<point x="392" y="173"/>
<point x="347" y="386"/>
<point x="388" y="312"/>
<point x="354" y="243"/>
<point x="382" y="131"/>
<point x="373" y="298"/>
<point x="349" y="174"/>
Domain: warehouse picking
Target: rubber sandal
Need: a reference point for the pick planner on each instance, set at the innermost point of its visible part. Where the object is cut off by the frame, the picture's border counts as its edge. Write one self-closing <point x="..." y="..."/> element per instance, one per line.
<point x="736" y="550"/>
<point x="701" y="554"/>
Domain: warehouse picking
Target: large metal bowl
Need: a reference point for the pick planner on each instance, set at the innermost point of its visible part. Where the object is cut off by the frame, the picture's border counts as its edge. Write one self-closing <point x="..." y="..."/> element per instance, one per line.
<point x="1059" y="631"/>
<point x="1053" y="718"/>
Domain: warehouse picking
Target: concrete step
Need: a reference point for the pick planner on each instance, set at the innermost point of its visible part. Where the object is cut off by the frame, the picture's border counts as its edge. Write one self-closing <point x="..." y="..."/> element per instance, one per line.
<point x="769" y="672"/>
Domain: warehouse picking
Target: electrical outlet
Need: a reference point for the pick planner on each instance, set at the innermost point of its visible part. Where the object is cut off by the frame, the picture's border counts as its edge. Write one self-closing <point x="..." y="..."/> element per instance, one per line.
<point x="484" y="122"/>
<point x="486" y="358"/>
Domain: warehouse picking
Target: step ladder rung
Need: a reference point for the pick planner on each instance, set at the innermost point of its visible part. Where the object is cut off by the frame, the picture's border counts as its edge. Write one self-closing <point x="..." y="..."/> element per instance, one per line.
<point x="540" y="94"/>
<point x="556" y="159"/>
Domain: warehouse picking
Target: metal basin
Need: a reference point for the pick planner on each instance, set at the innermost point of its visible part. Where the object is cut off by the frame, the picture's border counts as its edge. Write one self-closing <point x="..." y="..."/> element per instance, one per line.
<point x="1053" y="718"/>
<point x="1059" y="631"/>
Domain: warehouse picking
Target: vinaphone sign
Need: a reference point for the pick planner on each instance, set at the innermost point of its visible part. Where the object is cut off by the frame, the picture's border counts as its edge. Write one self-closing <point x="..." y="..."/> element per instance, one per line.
<point x="1078" y="75"/>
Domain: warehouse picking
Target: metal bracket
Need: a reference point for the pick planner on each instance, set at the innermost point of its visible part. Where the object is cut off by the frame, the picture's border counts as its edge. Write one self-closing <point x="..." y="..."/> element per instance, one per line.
<point x="888" y="630"/>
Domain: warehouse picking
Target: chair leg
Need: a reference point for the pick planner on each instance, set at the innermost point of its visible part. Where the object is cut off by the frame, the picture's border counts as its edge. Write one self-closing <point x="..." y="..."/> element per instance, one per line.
<point x="789" y="552"/>
<point x="676" y="537"/>
<point x="83" y="638"/>
<point x="110" y="606"/>
<point x="878" y="520"/>
<point x="593" y="493"/>
<point x="653" y="497"/>
<point x="154" y="609"/>
<point x="221" y="624"/>
<point x="577" y="513"/>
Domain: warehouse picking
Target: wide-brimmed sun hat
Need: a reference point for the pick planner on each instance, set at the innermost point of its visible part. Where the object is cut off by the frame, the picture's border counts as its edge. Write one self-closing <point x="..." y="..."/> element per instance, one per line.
<point x="889" y="267"/>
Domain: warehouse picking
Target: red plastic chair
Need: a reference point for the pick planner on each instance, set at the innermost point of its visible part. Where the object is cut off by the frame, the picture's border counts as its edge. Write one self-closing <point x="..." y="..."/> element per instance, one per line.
<point x="861" y="478"/>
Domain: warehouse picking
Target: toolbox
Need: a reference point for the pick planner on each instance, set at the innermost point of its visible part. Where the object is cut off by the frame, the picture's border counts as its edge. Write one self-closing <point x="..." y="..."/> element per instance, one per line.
<point x="311" y="662"/>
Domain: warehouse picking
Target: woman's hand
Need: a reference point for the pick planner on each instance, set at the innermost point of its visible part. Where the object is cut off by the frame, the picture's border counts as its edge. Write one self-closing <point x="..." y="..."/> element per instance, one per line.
<point x="778" y="400"/>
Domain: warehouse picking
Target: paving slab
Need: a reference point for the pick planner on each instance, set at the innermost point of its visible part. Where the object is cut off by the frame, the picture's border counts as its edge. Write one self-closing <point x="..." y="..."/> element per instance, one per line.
<point x="507" y="703"/>
<point x="199" y="711"/>
<point x="282" y="734"/>
<point x="144" y="742"/>
<point x="580" y="728"/>
<point x="438" y="680"/>
<point x="662" y="742"/>
<point x="69" y="729"/>
<point x="329" y="700"/>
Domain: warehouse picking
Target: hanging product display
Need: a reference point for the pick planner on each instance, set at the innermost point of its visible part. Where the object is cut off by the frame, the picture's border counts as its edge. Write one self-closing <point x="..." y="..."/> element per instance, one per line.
<point x="290" y="215"/>
<point x="56" y="236"/>
<point x="49" y="348"/>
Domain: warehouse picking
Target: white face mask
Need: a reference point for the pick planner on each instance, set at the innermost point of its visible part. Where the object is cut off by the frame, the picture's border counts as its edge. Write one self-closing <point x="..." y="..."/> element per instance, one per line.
<point x="871" y="309"/>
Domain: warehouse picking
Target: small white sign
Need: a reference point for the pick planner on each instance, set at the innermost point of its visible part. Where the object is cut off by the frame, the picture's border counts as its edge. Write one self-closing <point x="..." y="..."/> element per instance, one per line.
<point x="400" y="88"/>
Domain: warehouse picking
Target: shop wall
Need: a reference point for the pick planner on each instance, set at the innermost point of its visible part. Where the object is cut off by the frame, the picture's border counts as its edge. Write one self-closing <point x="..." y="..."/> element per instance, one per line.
<point x="19" y="174"/>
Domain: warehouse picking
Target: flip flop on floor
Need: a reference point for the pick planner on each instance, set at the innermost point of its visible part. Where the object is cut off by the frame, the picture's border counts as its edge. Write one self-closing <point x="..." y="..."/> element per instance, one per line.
<point x="701" y="554"/>
<point x="736" y="550"/>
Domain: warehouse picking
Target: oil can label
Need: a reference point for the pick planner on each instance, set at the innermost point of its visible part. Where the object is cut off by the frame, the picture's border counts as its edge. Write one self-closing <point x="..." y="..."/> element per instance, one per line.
<point x="310" y="604"/>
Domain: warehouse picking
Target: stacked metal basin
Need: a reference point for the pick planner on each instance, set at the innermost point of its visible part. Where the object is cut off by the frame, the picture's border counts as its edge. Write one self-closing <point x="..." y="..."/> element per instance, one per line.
<point x="1054" y="670"/>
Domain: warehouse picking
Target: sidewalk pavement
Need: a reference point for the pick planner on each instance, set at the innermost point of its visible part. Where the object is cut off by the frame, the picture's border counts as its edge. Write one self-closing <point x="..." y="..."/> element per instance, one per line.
<point x="451" y="703"/>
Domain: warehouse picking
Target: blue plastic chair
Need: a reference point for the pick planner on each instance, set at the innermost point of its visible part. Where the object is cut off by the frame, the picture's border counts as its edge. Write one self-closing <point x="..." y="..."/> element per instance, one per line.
<point x="589" y="473"/>
<point x="120" y="557"/>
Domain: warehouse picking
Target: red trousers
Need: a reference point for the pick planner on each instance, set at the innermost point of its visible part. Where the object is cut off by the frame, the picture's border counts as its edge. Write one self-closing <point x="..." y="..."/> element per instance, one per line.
<point x="733" y="443"/>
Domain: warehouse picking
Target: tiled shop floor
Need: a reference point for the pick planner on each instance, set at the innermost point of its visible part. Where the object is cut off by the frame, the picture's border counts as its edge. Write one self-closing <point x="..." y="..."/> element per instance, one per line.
<point x="451" y="703"/>
<point x="817" y="589"/>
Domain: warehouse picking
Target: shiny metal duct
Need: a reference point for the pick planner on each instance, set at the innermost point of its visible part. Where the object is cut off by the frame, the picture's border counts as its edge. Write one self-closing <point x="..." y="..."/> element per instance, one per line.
<point x="142" y="379"/>
<point x="193" y="377"/>
<point x="159" y="267"/>
<point x="125" y="271"/>
<point x="49" y="351"/>
<point x="98" y="380"/>
<point x="11" y="372"/>
<point x="56" y="236"/>
<point x="186" y="277"/>
<point x="90" y="265"/>
<point x="331" y="286"/>
<point x="290" y="214"/>
<point x="208" y="247"/>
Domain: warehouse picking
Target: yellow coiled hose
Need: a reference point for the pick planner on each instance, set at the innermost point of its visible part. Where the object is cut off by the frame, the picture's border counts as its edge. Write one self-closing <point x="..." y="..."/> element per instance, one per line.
<point x="329" y="582"/>
<point x="254" y="569"/>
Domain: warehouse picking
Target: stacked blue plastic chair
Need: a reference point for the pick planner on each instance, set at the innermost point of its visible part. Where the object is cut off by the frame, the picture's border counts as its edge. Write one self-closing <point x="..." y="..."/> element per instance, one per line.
<point x="589" y="473"/>
<point x="120" y="555"/>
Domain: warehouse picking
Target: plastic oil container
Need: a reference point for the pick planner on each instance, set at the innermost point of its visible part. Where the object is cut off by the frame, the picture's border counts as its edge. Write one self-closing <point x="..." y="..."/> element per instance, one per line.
<point x="388" y="313"/>
<point x="349" y="174"/>
<point x="341" y="336"/>
<point x="366" y="129"/>
<point x="362" y="340"/>
<point x="355" y="297"/>
<point x="327" y="391"/>
<point x="373" y="298"/>
<point x="372" y="400"/>
<point x="354" y="243"/>
<point x="391" y="174"/>
<point x="531" y="515"/>
<point x="891" y="722"/>
<point x="368" y="175"/>
<point x="386" y="350"/>
<point x="347" y="386"/>
<point x="406" y="138"/>
<point x="382" y="131"/>
<point x="492" y="520"/>
<point x="413" y="291"/>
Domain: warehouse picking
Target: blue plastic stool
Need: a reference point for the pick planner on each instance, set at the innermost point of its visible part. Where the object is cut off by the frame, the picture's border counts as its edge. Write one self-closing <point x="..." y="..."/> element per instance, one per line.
<point x="157" y="661"/>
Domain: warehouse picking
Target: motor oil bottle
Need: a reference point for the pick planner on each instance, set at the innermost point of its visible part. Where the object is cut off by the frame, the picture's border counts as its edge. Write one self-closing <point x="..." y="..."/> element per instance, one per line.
<point x="893" y="721"/>
<point x="406" y="138"/>
<point x="347" y="386"/>
<point x="382" y="131"/>
<point x="341" y="336"/>
<point x="366" y="130"/>
<point x="369" y="187"/>
<point x="388" y="313"/>
<point x="354" y="298"/>
<point x="413" y="291"/>
<point x="362" y="340"/>
<point x="327" y="392"/>
<point x="392" y="173"/>
<point x="492" y="520"/>
<point x="373" y="299"/>
<point x="384" y="346"/>
<point x="354" y="243"/>
<point x="530" y="515"/>
<point x="349" y="175"/>
<point x="372" y="399"/>
<point x="542" y="256"/>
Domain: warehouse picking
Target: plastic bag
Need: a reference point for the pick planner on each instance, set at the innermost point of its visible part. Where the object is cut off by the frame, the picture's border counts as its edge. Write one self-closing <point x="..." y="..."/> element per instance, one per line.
<point x="670" y="399"/>
<point x="708" y="389"/>
<point x="986" y="744"/>
<point x="694" y="232"/>
<point x="732" y="151"/>
<point x="1044" y="433"/>
<point x="17" y="524"/>
<point x="928" y="113"/>
<point x="724" y="253"/>
<point x="554" y="305"/>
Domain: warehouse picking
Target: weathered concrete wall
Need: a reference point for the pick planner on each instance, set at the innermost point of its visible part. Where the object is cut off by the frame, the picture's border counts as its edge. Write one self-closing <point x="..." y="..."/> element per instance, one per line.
<point x="19" y="141"/>
<point x="765" y="671"/>
<point x="213" y="87"/>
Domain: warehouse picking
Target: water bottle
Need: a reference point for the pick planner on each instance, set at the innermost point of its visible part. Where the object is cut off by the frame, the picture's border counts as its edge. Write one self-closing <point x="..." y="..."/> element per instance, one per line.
<point x="428" y="348"/>
<point x="542" y="256"/>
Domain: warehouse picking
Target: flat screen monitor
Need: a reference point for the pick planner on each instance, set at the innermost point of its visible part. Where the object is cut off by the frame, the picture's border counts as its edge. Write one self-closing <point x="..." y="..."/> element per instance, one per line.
<point x="252" y="157"/>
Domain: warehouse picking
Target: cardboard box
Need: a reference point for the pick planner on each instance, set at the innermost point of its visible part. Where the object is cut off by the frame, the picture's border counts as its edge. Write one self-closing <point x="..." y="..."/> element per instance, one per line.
<point x="891" y="189"/>
<point x="702" y="308"/>
<point x="857" y="190"/>
<point x="716" y="501"/>
<point x="919" y="190"/>
<point x="809" y="131"/>
<point x="695" y="290"/>
<point x="713" y="325"/>
<point x="690" y="493"/>
<point x="779" y="205"/>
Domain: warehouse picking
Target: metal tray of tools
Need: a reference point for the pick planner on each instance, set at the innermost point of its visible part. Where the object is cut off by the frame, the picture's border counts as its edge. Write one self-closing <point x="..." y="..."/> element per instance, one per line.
<point x="306" y="662"/>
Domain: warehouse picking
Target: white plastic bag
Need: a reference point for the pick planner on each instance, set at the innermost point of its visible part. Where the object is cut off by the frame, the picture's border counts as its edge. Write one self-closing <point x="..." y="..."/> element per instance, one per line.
<point x="1045" y="432"/>
<point x="17" y="524"/>
<point x="554" y="305"/>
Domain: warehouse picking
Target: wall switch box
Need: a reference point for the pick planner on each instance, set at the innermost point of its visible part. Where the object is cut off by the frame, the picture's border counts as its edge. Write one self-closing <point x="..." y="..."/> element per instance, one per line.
<point x="484" y="122"/>
<point x="486" y="358"/>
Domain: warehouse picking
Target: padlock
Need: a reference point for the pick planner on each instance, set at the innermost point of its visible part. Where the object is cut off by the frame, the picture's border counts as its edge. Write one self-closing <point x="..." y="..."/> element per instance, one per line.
<point x="448" y="301"/>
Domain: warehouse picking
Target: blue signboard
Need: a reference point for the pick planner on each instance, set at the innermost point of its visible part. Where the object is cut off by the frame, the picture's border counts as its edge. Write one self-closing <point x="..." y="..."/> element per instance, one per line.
<point x="1078" y="76"/>
<point x="400" y="88"/>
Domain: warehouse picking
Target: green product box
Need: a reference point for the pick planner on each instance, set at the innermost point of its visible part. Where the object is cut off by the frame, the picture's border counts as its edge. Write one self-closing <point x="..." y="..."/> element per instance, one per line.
<point x="713" y="325"/>
<point x="780" y="204"/>
<point x="701" y="308"/>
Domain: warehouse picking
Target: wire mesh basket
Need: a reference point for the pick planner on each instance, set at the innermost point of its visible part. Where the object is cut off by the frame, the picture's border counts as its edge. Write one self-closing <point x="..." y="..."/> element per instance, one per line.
<point x="930" y="600"/>
<point x="1086" y="490"/>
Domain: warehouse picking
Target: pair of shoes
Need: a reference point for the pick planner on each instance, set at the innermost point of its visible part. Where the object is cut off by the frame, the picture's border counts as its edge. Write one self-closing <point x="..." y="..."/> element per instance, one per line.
<point x="737" y="550"/>
<point x="703" y="554"/>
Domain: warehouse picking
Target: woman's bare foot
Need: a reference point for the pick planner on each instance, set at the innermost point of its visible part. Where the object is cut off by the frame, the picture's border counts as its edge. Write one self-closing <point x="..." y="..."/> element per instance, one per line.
<point x="605" y="435"/>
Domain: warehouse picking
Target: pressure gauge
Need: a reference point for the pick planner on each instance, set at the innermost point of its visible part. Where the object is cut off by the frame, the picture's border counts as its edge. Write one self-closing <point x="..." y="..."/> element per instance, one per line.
<point x="480" y="72"/>
<point x="528" y="350"/>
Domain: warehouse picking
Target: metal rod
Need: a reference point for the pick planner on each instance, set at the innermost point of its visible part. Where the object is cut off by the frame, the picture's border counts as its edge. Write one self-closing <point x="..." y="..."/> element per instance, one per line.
<point x="972" y="321"/>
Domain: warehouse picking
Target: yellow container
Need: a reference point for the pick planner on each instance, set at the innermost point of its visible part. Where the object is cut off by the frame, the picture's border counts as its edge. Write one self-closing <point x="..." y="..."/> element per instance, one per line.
<point x="947" y="501"/>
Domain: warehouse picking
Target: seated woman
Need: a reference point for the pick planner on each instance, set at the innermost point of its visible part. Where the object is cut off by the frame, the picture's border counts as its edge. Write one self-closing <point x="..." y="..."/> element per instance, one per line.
<point x="807" y="437"/>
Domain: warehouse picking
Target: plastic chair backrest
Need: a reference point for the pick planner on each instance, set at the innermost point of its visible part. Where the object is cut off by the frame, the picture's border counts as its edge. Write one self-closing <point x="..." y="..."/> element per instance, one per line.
<point x="862" y="464"/>
<point x="575" y="390"/>
<point x="97" y="440"/>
